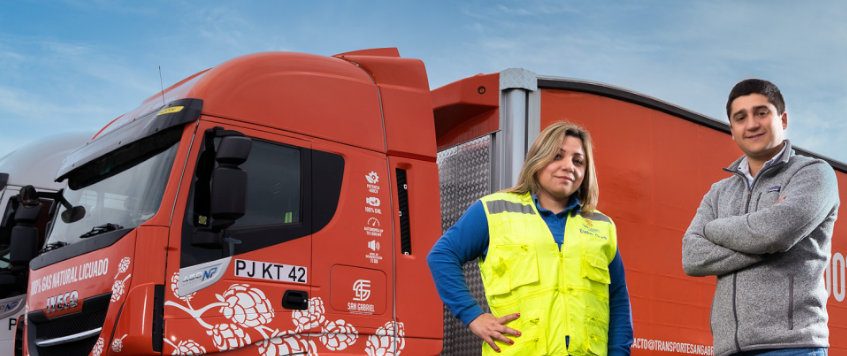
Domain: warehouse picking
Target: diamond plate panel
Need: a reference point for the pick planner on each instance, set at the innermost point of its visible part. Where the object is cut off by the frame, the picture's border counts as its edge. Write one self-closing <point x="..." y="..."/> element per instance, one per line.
<point x="464" y="176"/>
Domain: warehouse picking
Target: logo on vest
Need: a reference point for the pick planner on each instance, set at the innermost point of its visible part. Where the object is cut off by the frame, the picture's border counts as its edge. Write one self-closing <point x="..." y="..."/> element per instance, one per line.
<point x="593" y="232"/>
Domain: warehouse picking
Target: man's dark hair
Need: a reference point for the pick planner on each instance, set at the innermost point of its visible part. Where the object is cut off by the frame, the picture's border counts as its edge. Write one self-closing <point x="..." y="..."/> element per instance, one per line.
<point x="757" y="86"/>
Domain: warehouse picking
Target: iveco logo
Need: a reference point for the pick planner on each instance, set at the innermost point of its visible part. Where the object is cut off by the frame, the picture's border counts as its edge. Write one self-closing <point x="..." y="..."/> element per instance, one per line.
<point x="201" y="275"/>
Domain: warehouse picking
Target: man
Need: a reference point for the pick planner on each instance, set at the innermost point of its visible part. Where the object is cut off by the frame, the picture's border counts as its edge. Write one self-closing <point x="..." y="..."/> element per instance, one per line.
<point x="765" y="232"/>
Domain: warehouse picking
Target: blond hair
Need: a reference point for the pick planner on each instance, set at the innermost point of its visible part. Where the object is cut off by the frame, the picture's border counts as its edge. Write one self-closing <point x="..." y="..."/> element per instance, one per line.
<point x="544" y="150"/>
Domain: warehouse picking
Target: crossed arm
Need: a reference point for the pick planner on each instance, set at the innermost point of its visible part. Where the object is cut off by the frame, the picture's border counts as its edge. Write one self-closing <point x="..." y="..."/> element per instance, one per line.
<point x="806" y="202"/>
<point x="702" y="257"/>
<point x="717" y="246"/>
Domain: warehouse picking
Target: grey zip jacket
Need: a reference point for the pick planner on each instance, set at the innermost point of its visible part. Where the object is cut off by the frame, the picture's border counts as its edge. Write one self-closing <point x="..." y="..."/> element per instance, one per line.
<point x="768" y="244"/>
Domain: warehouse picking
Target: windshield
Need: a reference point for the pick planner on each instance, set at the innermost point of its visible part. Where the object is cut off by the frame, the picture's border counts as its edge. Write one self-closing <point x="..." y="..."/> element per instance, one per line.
<point x="127" y="197"/>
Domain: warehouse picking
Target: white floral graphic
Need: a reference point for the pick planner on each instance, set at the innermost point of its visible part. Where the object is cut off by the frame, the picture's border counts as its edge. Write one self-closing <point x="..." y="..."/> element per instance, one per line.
<point x="118" y="344"/>
<point x="248" y="313"/>
<point x="389" y="340"/>
<point x="98" y="347"/>
<point x="246" y="306"/>
<point x="119" y="287"/>
<point x="123" y="266"/>
<point x="338" y="335"/>
<point x="279" y="344"/>
<point x="187" y="347"/>
<point x="229" y="336"/>
<point x="175" y="289"/>
<point x="310" y="318"/>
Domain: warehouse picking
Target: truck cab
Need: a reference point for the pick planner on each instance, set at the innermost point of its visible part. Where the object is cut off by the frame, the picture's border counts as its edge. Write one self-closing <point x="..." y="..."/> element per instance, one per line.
<point x="279" y="203"/>
<point x="34" y="165"/>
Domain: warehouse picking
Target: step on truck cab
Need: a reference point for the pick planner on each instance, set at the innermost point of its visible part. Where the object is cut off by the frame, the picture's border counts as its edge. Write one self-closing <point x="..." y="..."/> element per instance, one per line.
<point x="279" y="203"/>
<point x="34" y="164"/>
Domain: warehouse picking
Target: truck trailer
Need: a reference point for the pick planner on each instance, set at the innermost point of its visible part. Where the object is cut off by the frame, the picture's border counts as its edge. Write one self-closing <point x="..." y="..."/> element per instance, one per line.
<point x="34" y="164"/>
<point x="284" y="203"/>
<point x="655" y="161"/>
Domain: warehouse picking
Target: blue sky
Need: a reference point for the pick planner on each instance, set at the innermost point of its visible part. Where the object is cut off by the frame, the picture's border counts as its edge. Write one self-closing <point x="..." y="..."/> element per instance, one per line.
<point x="74" y="65"/>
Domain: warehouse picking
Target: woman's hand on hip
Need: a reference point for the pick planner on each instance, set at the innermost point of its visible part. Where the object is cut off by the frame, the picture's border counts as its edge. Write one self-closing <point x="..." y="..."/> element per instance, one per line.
<point x="489" y="328"/>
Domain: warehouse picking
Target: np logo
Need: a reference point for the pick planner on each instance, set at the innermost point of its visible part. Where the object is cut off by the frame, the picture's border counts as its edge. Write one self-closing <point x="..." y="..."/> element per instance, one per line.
<point x="201" y="275"/>
<point x="197" y="277"/>
<point x="9" y="306"/>
<point x="361" y="290"/>
<point x="593" y="232"/>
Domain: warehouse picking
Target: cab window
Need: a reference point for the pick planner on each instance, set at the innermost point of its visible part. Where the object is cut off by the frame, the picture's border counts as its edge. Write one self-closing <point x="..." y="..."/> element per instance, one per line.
<point x="280" y="204"/>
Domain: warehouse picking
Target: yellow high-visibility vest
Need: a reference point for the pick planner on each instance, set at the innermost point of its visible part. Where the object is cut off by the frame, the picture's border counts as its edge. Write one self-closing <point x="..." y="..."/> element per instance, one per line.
<point x="562" y="296"/>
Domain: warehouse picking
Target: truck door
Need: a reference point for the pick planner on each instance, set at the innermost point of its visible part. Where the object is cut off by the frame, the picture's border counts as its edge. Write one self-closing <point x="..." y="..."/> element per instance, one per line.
<point x="352" y="258"/>
<point x="251" y="289"/>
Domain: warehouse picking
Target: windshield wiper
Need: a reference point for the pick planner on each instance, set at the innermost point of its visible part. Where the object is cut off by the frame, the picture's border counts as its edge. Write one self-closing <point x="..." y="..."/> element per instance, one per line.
<point x="53" y="246"/>
<point x="97" y="230"/>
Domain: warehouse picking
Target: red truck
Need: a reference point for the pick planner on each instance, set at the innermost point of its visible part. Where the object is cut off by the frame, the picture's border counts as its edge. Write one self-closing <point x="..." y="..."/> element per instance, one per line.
<point x="284" y="203"/>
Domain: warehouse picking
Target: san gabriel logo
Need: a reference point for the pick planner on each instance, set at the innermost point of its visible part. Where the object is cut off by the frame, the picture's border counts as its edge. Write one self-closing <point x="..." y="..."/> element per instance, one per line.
<point x="361" y="290"/>
<point x="361" y="293"/>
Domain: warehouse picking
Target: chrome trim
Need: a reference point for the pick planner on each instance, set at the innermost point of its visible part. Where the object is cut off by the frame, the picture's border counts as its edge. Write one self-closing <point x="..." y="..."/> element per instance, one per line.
<point x="69" y="338"/>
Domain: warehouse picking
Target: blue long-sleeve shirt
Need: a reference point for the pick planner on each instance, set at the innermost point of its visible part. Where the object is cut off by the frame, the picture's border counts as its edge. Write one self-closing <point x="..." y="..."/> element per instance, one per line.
<point x="468" y="239"/>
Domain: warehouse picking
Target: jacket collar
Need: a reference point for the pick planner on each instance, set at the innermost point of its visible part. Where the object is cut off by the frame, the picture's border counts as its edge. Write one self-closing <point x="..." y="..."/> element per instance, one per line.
<point x="782" y="159"/>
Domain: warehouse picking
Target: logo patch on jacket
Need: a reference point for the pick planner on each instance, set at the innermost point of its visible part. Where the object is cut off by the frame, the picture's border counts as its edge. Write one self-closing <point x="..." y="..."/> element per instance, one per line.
<point x="774" y="188"/>
<point x="593" y="232"/>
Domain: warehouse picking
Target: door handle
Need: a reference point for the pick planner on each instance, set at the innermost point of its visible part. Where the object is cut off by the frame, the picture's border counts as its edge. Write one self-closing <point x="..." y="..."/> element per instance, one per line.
<point x="295" y="299"/>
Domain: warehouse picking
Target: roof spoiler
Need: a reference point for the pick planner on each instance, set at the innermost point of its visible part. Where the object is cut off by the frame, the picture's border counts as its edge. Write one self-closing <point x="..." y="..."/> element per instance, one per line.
<point x="176" y="113"/>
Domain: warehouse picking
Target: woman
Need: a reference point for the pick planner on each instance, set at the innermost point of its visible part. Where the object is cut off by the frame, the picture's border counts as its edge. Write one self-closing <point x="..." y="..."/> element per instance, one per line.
<point x="553" y="276"/>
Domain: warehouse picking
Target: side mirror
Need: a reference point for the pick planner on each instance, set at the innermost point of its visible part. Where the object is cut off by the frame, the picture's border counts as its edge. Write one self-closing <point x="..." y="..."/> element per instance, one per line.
<point x="229" y="183"/>
<point x="73" y="214"/>
<point x="4" y="179"/>
<point x="228" y="193"/>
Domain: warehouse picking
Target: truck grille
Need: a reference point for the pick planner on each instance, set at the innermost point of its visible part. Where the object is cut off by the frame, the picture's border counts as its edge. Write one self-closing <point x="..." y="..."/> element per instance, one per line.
<point x="41" y="328"/>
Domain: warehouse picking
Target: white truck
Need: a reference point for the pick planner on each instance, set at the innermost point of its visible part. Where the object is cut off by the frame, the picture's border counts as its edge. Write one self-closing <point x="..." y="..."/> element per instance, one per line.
<point x="33" y="164"/>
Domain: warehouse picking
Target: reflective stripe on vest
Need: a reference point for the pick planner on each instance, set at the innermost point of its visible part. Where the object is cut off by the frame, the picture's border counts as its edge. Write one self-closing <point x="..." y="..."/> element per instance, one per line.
<point x="563" y="296"/>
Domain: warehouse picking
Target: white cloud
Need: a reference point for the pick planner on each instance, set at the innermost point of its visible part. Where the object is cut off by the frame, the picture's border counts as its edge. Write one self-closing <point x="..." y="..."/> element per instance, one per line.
<point x="7" y="57"/>
<point x="223" y="26"/>
<point x="23" y="108"/>
<point x="513" y="11"/>
<point x="689" y="54"/>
